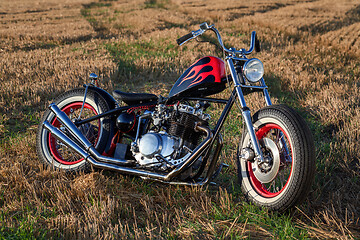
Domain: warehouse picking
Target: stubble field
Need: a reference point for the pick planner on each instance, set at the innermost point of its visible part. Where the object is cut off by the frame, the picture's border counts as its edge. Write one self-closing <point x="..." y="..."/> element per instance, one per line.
<point x="310" y="50"/>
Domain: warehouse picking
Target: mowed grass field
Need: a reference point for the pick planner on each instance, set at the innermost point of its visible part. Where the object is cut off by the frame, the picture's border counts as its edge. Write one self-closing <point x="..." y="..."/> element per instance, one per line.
<point x="310" y="50"/>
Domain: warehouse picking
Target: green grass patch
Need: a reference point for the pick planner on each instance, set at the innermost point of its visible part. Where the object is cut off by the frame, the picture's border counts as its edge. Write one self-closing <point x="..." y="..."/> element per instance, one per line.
<point x="156" y="4"/>
<point x="26" y="229"/>
<point x="128" y="55"/>
<point x="96" y="13"/>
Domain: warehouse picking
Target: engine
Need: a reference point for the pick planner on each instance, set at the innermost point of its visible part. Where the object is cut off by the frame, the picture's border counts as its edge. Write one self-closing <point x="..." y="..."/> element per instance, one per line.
<point x="172" y="138"/>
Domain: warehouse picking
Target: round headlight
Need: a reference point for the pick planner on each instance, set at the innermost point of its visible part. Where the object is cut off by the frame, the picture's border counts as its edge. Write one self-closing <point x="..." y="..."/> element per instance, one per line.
<point x="253" y="70"/>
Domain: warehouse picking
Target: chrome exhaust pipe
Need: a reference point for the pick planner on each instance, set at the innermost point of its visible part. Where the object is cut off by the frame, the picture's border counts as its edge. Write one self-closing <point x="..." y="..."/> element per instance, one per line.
<point x="89" y="153"/>
<point x="65" y="139"/>
<point x="88" y="147"/>
<point x="71" y="144"/>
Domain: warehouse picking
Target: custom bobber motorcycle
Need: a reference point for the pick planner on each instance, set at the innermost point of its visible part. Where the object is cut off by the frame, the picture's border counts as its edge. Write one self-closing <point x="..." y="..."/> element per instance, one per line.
<point x="169" y="139"/>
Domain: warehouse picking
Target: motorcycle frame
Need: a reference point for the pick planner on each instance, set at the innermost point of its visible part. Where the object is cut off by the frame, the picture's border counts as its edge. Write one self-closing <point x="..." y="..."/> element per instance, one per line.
<point x="239" y="85"/>
<point x="82" y="146"/>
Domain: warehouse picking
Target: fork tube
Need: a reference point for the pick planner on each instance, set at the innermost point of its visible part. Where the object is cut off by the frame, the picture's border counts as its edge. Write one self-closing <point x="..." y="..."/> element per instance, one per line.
<point x="245" y="111"/>
<point x="266" y="94"/>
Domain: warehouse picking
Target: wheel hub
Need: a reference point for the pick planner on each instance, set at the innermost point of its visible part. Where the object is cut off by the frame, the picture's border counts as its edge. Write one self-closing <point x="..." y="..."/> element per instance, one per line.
<point x="267" y="170"/>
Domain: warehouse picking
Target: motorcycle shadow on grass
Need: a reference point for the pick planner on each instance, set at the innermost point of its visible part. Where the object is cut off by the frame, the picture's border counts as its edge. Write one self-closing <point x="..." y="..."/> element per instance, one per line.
<point x="329" y="176"/>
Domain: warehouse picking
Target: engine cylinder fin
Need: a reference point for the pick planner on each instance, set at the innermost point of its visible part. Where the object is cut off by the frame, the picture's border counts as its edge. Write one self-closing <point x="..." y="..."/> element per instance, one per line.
<point x="182" y="126"/>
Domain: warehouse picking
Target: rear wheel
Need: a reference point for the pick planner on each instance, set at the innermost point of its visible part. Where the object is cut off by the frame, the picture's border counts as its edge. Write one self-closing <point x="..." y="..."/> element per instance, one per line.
<point x="285" y="176"/>
<point x="53" y="152"/>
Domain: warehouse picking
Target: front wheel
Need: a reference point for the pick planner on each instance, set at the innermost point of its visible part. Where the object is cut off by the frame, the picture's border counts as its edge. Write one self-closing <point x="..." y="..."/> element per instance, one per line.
<point x="285" y="176"/>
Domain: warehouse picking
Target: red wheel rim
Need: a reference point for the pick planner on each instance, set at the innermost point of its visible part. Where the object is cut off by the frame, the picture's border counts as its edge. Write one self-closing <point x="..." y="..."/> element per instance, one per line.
<point x="53" y="142"/>
<point x="261" y="188"/>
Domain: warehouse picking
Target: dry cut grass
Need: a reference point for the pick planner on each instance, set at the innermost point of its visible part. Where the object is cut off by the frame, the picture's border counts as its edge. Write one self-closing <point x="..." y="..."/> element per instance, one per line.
<point x="311" y="55"/>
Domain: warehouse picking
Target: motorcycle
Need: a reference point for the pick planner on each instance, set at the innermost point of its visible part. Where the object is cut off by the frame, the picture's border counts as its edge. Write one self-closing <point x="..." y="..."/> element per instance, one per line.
<point x="169" y="139"/>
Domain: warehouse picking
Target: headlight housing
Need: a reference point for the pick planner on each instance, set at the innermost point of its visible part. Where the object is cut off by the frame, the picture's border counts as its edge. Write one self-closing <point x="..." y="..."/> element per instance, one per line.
<point x="253" y="70"/>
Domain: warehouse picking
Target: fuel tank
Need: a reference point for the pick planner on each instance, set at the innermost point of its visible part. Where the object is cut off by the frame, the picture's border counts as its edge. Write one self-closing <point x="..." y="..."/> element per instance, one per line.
<point x="205" y="77"/>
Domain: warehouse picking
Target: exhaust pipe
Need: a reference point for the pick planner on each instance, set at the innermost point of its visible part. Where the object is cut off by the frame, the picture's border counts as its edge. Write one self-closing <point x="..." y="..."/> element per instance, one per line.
<point x="65" y="139"/>
<point x="89" y="153"/>
<point x="71" y="144"/>
<point x="88" y="147"/>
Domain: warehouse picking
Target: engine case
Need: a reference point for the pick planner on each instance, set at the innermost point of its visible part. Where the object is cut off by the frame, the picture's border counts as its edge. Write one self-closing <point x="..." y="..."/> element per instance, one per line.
<point x="169" y="148"/>
<point x="154" y="147"/>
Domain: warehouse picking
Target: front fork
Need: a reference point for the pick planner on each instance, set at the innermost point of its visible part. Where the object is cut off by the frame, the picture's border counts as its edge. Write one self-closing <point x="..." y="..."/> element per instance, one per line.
<point x="246" y="111"/>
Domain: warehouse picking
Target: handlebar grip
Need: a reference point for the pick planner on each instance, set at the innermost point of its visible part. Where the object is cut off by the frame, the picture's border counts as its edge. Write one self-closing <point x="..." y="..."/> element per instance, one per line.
<point x="184" y="38"/>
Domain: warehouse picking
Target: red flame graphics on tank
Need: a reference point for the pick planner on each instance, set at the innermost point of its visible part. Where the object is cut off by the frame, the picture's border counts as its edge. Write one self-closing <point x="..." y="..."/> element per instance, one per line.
<point x="205" y="71"/>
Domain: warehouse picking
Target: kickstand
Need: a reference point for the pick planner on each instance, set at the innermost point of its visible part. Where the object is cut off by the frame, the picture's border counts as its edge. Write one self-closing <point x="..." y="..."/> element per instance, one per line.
<point x="218" y="171"/>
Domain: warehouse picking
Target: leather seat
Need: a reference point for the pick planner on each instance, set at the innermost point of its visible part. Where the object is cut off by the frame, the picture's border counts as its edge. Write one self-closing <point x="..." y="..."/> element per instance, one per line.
<point x="134" y="98"/>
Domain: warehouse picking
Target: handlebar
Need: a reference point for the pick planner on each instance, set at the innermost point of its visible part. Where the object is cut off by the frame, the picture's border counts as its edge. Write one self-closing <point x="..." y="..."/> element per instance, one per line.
<point x="254" y="43"/>
<point x="190" y="36"/>
<point x="184" y="39"/>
